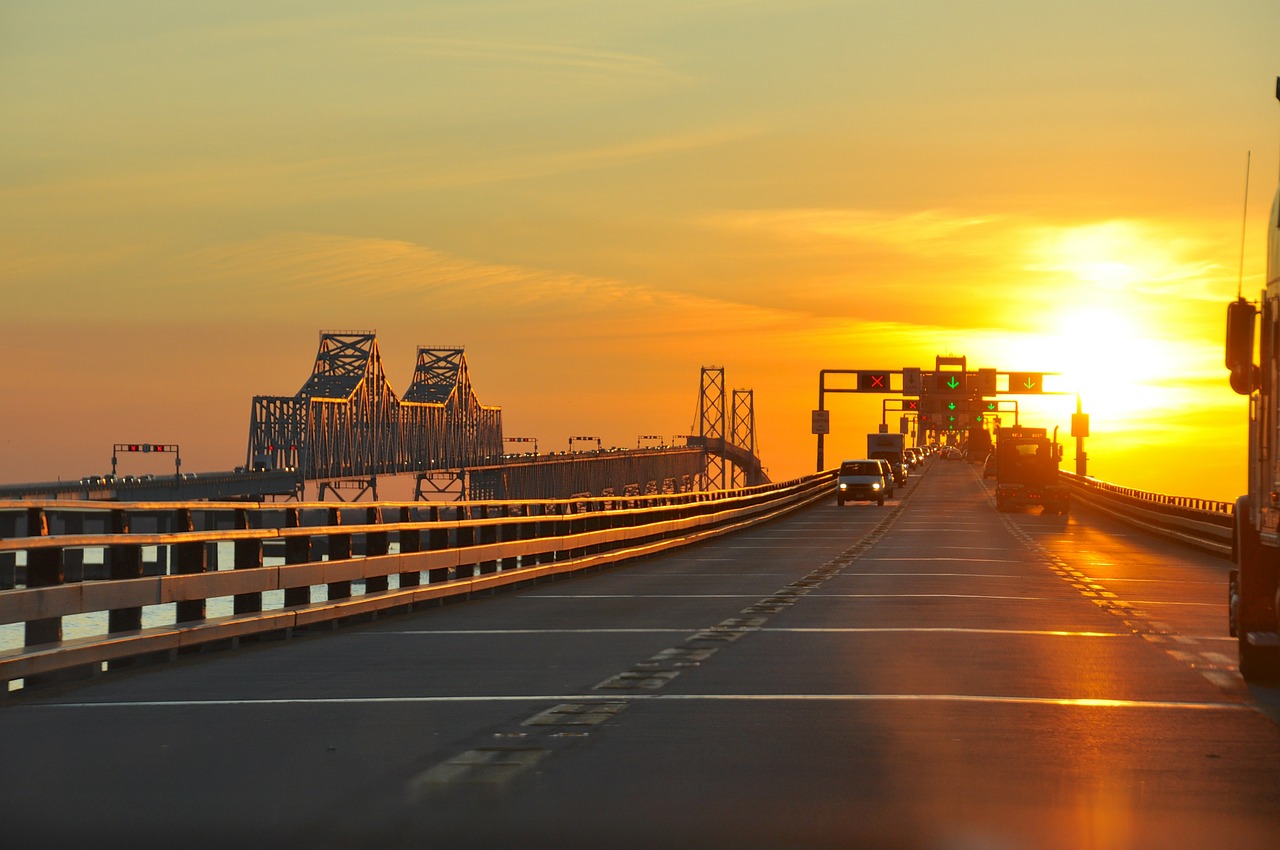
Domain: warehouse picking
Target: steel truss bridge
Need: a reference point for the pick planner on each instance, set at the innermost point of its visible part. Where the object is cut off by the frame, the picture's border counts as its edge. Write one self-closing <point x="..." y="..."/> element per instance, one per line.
<point x="346" y="427"/>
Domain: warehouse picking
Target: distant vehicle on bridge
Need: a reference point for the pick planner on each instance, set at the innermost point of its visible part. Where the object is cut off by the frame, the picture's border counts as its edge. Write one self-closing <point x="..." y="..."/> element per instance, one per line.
<point x="890" y="447"/>
<point x="864" y="480"/>
<point x="1026" y="470"/>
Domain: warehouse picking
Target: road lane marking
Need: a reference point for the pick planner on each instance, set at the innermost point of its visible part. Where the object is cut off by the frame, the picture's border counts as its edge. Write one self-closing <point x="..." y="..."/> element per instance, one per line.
<point x="945" y="630"/>
<point x="613" y="699"/>
<point x="798" y="630"/>
<point x="961" y="560"/>
<point x="929" y="596"/>
<point x="1215" y="667"/>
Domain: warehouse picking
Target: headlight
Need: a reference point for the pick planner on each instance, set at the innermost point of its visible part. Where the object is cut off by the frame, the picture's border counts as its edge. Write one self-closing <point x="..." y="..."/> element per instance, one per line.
<point x="844" y="486"/>
<point x="875" y="486"/>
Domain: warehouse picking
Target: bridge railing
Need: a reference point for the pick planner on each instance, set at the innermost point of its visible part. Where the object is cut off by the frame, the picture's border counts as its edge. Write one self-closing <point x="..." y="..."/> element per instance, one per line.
<point x="1203" y="523"/>
<point x="299" y="565"/>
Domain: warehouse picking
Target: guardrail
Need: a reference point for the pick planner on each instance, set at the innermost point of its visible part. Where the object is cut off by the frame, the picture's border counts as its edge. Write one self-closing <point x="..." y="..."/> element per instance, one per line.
<point x="297" y="565"/>
<point x="1203" y="523"/>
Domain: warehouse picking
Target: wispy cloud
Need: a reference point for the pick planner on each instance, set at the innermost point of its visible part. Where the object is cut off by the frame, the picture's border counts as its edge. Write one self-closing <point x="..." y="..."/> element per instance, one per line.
<point x="571" y="57"/>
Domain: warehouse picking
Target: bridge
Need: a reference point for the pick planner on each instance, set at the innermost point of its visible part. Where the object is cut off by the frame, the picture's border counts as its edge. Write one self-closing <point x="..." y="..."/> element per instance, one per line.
<point x="754" y="667"/>
<point x="346" y="427"/>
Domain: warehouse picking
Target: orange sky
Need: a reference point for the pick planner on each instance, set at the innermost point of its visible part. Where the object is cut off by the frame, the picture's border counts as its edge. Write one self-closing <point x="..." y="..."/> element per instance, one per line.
<point x="597" y="199"/>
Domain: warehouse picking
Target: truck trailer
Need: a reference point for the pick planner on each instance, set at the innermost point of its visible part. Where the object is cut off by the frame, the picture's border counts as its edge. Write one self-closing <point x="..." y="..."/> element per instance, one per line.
<point x="1254" y="584"/>
<point x="1027" y="470"/>
<point x="890" y="447"/>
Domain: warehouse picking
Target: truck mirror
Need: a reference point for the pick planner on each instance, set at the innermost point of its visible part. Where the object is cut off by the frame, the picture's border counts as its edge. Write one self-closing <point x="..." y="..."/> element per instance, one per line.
<point x="1239" y="359"/>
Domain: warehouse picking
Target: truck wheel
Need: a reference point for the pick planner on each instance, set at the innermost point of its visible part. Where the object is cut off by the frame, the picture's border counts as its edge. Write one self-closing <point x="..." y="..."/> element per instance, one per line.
<point x="840" y="501"/>
<point x="880" y="501"/>
<point x="1255" y="603"/>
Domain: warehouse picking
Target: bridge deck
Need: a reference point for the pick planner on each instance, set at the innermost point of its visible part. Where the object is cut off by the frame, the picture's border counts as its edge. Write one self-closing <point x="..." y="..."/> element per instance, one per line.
<point x="925" y="674"/>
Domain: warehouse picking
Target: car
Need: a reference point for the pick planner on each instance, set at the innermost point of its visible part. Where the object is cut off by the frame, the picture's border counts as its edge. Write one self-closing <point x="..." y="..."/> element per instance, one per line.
<point x="886" y="468"/>
<point x="862" y="480"/>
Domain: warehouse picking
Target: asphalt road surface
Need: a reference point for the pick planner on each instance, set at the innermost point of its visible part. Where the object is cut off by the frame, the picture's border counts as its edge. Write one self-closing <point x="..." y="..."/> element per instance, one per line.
<point x="929" y="674"/>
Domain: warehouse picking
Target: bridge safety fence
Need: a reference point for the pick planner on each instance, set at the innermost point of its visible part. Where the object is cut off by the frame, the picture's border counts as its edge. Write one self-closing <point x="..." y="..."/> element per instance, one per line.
<point x="1203" y="523"/>
<point x="92" y="586"/>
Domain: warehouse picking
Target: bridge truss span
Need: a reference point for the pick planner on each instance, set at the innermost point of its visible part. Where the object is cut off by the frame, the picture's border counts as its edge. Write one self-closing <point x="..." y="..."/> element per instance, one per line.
<point x="347" y="422"/>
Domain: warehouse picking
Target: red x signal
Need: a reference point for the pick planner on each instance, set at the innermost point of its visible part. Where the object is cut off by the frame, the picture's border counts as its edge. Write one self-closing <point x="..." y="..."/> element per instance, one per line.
<point x="873" y="382"/>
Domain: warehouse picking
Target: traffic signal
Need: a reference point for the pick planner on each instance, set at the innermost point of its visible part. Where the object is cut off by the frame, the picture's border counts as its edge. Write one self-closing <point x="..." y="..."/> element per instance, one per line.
<point x="986" y="382"/>
<point x="950" y="382"/>
<point x="873" y="382"/>
<point x="1026" y="382"/>
<point x="952" y="415"/>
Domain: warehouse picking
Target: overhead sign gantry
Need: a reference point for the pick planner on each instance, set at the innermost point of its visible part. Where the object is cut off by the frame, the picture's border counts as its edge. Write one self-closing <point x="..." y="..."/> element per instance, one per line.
<point x="950" y="398"/>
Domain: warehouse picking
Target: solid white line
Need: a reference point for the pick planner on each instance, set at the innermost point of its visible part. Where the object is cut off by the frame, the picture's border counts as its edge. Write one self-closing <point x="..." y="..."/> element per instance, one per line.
<point x="644" y="596"/>
<point x="1037" y="577"/>
<point x="940" y="630"/>
<point x="667" y="697"/>
<point x="758" y="596"/>
<point x="799" y="630"/>
<point x="537" y="632"/>
<point x="1028" y="562"/>
<point x="922" y="596"/>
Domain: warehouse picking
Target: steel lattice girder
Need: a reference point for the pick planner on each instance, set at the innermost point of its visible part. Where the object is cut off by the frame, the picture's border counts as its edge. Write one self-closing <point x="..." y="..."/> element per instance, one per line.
<point x="346" y="420"/>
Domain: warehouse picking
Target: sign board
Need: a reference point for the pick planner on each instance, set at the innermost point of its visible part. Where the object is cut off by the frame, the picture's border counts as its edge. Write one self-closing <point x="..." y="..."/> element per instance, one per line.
<point x="821" y="422"/>
<point x="912" y="381"/>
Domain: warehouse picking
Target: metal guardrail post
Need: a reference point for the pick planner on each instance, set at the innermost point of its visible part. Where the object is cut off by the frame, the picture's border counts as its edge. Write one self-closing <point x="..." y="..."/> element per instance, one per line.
<point x="297" y="550"/>
<point x="410" y="542"/>
<point x="189" y="559"/>
<point x="487" y="534"/>
<point x="465" y="535"/>
<point x="125" y="561"/>
<point x="339" y="546"/>
<point x="376" y="544"/>
<point x="44" y="569"/>
<point x="437" y="539"/>
<point x="248" y="556"/>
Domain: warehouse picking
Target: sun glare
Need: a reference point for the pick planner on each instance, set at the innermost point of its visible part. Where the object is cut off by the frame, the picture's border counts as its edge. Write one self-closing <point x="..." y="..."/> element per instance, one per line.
<point x="1113" y="362"/>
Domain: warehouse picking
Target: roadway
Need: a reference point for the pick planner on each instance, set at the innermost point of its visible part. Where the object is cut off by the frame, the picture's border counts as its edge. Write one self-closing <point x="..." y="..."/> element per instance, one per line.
<point x="930" y="674"/>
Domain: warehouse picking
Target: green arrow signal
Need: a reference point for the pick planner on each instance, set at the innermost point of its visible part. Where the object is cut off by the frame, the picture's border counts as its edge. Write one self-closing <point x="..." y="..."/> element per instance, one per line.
<point x="1029" y="383"/>
<point x="991" y="405"/>
<point x="951" y="405"/>
<point x="953" y="382"/>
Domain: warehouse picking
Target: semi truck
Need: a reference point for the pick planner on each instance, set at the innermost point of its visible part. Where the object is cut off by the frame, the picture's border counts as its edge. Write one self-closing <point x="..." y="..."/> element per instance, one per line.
<point x="1254" y="586"/>
<point x="890" y="447"/>
<point x="1027" y="470"/>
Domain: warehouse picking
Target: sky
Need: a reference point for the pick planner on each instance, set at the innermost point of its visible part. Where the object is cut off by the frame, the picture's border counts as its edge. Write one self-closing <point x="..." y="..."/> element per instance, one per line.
<point x="598" y="199"/>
